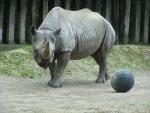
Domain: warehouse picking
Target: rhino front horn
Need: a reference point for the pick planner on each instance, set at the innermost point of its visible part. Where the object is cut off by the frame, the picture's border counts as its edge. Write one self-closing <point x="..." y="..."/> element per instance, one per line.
<point x="46" y="51"/>
<point x="44" y="43"/>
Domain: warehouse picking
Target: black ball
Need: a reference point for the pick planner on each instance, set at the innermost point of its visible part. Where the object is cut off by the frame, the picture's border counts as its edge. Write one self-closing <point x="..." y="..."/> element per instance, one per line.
<point x="122" y="81"/>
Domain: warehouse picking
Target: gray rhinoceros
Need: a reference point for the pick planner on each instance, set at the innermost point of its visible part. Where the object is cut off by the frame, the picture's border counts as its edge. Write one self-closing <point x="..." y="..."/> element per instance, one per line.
<point x="69" y="35"/>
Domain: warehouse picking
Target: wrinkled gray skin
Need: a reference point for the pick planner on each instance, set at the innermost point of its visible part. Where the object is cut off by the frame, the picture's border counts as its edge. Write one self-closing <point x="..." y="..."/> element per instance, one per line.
<point x="69" y="35"/>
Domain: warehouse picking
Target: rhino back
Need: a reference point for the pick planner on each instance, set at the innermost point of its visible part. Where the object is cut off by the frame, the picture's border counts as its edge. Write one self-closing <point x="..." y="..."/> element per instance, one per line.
<point x="87" y="30"/>
<point x="82" y="31"/>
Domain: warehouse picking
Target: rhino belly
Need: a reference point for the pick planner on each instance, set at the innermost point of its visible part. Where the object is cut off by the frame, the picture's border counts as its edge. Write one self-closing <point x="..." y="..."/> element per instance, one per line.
<point x="85" y="48"/>
<point x="83" y="54"/>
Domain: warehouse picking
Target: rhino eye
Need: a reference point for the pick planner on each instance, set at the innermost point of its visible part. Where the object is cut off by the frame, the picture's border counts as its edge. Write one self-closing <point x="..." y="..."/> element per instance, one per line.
<point x="36" y="53"/>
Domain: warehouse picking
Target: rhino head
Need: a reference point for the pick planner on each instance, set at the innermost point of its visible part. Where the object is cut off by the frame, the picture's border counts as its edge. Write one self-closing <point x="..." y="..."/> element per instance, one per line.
<point x="43" y="45"/>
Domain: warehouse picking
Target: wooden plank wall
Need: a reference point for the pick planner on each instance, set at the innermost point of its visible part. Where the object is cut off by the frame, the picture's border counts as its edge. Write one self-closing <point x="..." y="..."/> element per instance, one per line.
<point x="130" y="18"/>
<point x="1" y="20"/>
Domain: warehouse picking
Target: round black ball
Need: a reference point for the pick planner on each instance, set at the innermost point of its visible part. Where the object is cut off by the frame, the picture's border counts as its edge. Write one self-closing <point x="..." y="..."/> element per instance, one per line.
<point x="122" y="81"/>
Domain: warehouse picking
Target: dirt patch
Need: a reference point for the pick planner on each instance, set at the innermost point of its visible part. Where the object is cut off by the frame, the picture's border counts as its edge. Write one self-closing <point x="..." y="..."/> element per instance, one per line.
<point x="24" y="95"/>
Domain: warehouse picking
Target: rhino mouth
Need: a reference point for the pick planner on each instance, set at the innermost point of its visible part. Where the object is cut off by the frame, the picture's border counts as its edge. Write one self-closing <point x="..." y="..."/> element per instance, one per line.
<point x="43" y="64"/>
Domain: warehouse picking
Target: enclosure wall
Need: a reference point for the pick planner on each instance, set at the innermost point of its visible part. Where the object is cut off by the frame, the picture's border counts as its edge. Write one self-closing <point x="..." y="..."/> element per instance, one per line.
<point x="130" y="18"/>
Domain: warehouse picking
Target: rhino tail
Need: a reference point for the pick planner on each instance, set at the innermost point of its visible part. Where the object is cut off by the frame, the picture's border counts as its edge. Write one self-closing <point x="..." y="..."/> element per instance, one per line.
<point x="109" y="38"/>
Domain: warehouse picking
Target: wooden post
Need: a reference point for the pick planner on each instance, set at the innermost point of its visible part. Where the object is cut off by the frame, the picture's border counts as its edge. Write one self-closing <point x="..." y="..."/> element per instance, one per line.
<point x="39" y="11"/>
<point x="104" y="7"/>
<point x="146" y="21"/>
<point x="51" y="4"/>
<point x="121" y="20"/>
<point x="132" y="26"/>
<point x="11" y="25"/>
<point x="88" y="4"/>
<point x="28" y="21"/>
<point x="98" y="5"/>
<point x="67" y="4"/>
<point x="108" y="10"/>
<point x="45" y="8"/>
<point x="33" y="15"/>
<point x="34" y="12"/>
<point x="22" y="21"/>
<point x="116" y="18"/>
<point x="1" y="21"/>
<point x="57" y="2"/>
<point x="127" y="21"/>
<point x="149" y="27"/>
<point x="78" y="4"/>
<point x="138" y="13"/>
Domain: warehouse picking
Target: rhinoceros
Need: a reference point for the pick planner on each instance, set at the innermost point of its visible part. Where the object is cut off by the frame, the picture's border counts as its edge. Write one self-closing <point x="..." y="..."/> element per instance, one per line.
<point x="71" y="35"/>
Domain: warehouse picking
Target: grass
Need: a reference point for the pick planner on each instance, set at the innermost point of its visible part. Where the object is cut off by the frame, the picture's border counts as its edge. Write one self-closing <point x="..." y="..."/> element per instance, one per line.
<point x="18" y="61"/>
<point x="133" y="57"/>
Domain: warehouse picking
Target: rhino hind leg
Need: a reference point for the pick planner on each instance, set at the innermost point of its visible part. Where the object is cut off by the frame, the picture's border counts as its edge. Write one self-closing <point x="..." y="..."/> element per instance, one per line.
<point x="107" y="77"/>
<point x="101" y="54"/>
<point x="100" y="58"/>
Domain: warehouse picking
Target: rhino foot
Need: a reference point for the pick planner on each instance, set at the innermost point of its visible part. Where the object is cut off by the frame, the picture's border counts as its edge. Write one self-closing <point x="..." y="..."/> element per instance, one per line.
<point x="107" y="77"/>
<point x="101" y="80"/>
<point x="49" y="83"/>
<point x="55" y="84"/>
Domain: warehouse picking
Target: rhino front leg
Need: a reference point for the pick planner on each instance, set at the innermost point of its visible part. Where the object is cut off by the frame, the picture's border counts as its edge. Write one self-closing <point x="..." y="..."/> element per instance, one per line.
<point x="61" y="63"/>
<point x="51" y="68"/>
<point x="102" y="70"/>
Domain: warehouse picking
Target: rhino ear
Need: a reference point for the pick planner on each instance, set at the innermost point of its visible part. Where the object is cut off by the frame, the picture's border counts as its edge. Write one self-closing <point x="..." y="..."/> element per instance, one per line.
<point x="33" y="30"/>
<point x="57" y="32"/>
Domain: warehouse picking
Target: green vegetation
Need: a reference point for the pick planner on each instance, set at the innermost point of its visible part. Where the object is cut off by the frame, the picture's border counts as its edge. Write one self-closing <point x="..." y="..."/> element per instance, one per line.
<point x="133" y="57"/>
<point x="17" y="60"/>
